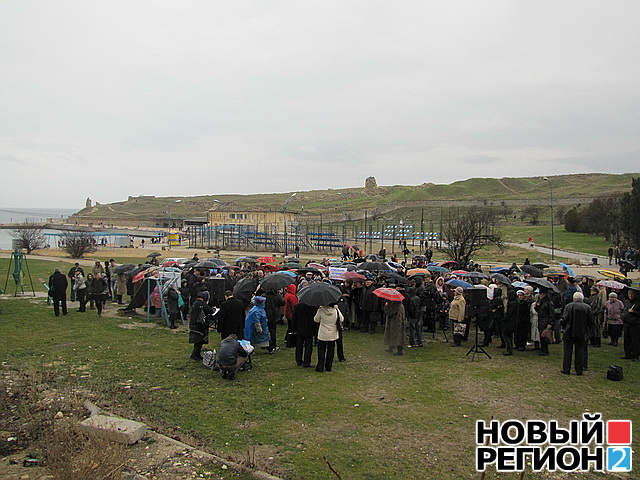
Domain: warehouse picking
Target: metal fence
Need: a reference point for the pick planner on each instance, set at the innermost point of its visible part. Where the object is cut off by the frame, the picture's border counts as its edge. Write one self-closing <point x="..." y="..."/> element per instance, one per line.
<point x="312" y="237"/>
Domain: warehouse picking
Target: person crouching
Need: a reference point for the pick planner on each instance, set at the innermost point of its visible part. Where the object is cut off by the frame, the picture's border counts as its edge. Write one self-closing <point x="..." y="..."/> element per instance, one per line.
<point x="231" y="357"/>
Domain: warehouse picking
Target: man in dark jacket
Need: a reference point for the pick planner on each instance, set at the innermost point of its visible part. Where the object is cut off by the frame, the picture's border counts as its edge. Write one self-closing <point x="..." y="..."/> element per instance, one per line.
<point x="171" y="301"/>
<point x="631" y="325"/>
<point x="273" y="307"/>
<point x="198" y="324"/>
<point x="306" y="328"/>
<point x="576" y="320"/>
<point x="231" y="316"/>
<point x="58" y="291"/>
<point x="98" y="289"/>
<point x="72" y="275"/>
<point x="231" y="356"/>
<point x="545" y="310"/>
<point x="523" y="321"/>
<point x="371" y="308"/>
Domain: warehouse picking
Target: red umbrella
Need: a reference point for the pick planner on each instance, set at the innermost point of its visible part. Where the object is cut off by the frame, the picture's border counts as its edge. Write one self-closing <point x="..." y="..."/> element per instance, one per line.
<point x="389" y="294"/>
<point x="319" y="266"/>
<point x="460" y="272"/>
<point x="170" y="263"/>
<point x="266" y="259"/>
<point x="449" y="264"/>
<point x="353" y="276"/>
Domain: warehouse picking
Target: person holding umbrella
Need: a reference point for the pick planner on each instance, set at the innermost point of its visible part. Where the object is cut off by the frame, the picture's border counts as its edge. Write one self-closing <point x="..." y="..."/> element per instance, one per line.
<point x="305" y="328"/>
<point x="330" y="320"/>
<point x="396" y="324"/>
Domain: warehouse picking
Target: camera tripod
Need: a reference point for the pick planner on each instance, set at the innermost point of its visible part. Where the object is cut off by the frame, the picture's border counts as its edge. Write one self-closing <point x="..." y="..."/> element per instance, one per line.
<point x="476" y="348"/>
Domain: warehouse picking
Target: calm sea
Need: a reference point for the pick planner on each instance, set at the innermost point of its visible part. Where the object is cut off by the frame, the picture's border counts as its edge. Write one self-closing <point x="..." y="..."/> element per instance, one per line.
<point x="19" y="215"/>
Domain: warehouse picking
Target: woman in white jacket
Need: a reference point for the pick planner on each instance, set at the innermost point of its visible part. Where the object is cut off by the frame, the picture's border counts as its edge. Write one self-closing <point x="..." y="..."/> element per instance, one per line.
<point x="328" y="317"/>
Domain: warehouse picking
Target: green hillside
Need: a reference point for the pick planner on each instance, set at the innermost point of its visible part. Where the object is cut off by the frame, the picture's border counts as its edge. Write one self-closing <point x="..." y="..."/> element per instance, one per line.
<point x="355" y="199"/>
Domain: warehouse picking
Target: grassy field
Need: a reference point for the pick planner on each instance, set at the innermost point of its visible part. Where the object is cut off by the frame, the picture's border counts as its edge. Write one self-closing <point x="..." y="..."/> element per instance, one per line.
<point x="576" y="242"/>
<point x="330" y="200"/>
<point x="373" y="417"/>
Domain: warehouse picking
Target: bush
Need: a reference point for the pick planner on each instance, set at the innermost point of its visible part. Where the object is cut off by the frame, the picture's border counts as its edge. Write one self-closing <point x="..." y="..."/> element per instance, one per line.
<point x="76" y="244"/>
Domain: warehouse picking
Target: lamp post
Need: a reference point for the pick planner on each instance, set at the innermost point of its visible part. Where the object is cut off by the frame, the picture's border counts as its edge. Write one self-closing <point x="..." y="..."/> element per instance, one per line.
<point x="284" y="214"/>
<point x="546" y="179"/>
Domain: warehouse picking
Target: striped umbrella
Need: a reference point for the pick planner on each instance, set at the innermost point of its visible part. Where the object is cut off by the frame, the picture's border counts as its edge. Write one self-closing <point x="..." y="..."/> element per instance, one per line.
<point x="390" y="294"/>
<point x="612" y="274"/>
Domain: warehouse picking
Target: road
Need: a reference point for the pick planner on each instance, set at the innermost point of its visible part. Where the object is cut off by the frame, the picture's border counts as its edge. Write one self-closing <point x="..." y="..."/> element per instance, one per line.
<point x="580" y="257"/>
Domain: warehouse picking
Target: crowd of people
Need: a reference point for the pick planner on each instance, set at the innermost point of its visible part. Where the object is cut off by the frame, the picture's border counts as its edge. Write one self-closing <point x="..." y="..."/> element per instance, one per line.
<point x="521" y="312"/>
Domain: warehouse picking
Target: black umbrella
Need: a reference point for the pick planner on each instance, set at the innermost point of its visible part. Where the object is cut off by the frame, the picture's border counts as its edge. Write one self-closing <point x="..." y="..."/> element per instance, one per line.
<point x="501" y="278"/>
<point x="291" y="265"/>
<point x="276" y="282"/>
<point x="154" y="255"/>
<point x="474" y="275"/>
<point x="395" y="278"/>
<point x="542" y="283"/>
<point x="245" y="288"/>
<point x="123" y="268"/>
<point x="533" y="271"/>
<point x="318" y="294"/>
<point x="304" y="270"/>
<point x="206" y="264"/>
<point x="540" y="265"/>
<point x="374" y="266"/>
<point x="246" y="260"/>
<point x="218" y="261"/>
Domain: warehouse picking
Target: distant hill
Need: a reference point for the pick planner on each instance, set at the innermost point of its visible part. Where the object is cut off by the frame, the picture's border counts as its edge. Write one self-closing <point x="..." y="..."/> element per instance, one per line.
<point x="384" y="198"/>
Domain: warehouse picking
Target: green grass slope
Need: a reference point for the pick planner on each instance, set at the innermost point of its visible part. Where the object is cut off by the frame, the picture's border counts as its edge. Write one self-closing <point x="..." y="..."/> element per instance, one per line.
<point x="330" y="201"/>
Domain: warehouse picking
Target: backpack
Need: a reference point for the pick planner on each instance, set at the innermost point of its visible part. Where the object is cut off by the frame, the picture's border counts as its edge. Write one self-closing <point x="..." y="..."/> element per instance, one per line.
<point x="615" y="373"/>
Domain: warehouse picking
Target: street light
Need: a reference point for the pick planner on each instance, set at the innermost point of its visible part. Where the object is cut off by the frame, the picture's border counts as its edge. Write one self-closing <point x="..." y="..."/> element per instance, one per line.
<point x="546" y="179"/>
<point x="284" y="214"/>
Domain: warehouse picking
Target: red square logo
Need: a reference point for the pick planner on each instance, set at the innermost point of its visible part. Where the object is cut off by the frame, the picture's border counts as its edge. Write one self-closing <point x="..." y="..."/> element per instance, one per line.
<point x="619" y="432"/>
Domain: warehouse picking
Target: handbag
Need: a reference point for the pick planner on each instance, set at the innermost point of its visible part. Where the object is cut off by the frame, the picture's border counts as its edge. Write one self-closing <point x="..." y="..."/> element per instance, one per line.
<point x="547" y="334"/>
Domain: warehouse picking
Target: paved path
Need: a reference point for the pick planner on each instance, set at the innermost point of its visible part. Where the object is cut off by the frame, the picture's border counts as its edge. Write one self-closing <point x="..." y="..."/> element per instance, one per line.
<point x="580" y="257"/>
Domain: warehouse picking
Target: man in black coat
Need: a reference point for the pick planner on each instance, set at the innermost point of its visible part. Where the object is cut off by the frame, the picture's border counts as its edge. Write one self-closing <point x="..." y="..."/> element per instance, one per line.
<point x="231" y="357"/>
<point x="371" y="308"/>
<point x="631" y="322"/>
<point x="231" y="317"/>
<point x="198" y="324"/>
<point x="273" y="307"/>
<point x="306" y="328"/>
<point x="58" y="291"/>
<point x="577" y="320"/>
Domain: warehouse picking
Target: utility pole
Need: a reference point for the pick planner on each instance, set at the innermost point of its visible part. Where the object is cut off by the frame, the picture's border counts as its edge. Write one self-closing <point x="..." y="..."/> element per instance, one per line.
<point x="546" y="179"/>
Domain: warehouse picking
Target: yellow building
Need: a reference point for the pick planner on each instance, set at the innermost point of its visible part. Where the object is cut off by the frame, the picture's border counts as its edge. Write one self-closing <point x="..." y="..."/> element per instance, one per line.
<point x="271" y="219"/>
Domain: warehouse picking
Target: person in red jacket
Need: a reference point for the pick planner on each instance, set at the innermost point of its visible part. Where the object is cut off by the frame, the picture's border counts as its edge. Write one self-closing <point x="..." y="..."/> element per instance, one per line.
<point x="290" y="301"/>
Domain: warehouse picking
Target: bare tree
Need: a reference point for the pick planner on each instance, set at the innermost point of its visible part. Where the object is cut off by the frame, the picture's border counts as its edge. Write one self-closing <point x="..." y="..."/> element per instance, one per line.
<point x="532" y="212"/>
<point x="465" y="232"/>
<point x="30" y="236"/>
<point x="77" y="244"/>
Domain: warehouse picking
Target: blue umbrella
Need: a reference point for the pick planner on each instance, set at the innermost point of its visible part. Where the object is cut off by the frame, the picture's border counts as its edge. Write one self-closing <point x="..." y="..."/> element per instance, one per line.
<point x="454" y="282"/>
<point x="499" y="270"/>
<point x="286" y="272"/>
<point x="435" y="268"/>
<point x="519" y="284"/>
<point x="568" y="269"/>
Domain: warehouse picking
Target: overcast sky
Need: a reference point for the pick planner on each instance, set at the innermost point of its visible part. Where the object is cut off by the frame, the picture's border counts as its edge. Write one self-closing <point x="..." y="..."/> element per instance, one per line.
<point x="117" y="98"/>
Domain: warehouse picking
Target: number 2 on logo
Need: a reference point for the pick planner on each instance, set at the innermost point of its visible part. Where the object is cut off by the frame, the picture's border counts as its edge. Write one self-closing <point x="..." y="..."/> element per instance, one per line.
<point x="619" y="459"/>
